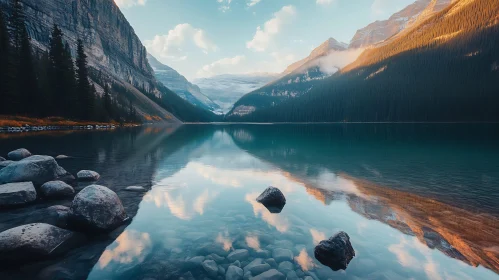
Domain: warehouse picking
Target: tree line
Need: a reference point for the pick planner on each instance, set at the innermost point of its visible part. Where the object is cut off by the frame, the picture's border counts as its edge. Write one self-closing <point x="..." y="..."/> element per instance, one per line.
<point x="39" y="83"/>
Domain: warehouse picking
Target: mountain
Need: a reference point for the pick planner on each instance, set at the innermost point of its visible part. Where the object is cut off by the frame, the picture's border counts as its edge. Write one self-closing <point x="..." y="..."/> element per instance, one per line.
<point x="380" y="31"/>
<point x="298" y="78"/>
<point x="114" y="51"/>
<point x="181" y="86"/>
<point x="322" y="50"/>
<point x="301" y="77"/>
<point x="444" y="68"/>
<point x="226" y="89"/>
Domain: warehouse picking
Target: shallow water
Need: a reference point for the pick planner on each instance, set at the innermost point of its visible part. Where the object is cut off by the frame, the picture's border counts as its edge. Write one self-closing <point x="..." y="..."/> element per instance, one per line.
<point x="418" y="201"/>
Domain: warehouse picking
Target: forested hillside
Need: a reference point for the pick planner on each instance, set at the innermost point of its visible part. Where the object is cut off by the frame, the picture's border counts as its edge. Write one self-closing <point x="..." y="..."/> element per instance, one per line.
<point x="445" y="69"/>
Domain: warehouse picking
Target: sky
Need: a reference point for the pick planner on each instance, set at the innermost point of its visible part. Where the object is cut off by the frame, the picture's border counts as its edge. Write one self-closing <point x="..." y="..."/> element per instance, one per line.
<point x="203" y="38"/>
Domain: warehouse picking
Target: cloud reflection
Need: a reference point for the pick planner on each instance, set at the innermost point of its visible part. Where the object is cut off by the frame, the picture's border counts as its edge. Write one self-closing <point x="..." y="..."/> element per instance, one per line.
<point x="224" y="240"/>
<point x="280" y="222"/>
<point x="305" y="261"/>
<point x="317" y="236"/>
<point x="130" y="246"/>
<point x="253" y="242"/>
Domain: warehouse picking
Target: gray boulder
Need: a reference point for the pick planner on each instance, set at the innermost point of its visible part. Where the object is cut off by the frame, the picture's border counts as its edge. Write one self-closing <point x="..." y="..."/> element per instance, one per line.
<point x="36" y="169"/>
<point x="36" y="242"/>
<point x="19" y="154"/>
<point x="281" y="255"/>
<point x="97" y="208"/>
<point x="336" y="252"/>
<point x="257" y="266"/>
<point x="234" y="273"/>
<point x="5" y="163"/>
<point x="87" y="175"/>
<point x="16" y="194"/>
<point x="238" y="255"/>
<point x="270" y="275"/>
<point x="56" y="189"/>
<point x="273" y="199"/>
<point x="210" y="267"/>
<point x="286" y="267"/>
<point x="2" y="159"/>
<point x="58" y="215"/>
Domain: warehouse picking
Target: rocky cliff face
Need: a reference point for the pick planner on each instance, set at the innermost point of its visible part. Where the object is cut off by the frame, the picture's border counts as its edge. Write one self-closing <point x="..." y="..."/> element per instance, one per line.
<point x="110" y="42"/>
<point x="380" y="31"/>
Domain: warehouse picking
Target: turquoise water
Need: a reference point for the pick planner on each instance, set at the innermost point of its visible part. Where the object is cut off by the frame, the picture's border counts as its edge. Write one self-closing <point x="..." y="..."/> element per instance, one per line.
<point x="418" y="201"/>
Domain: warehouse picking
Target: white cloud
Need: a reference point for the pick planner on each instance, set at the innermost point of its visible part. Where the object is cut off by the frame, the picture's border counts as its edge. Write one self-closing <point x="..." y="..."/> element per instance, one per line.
<point x="224" y="65"/>
<point x="263" y="36"/>
<point x="252" y="3"/>
<point x="172" y="45"/>
<point x="336" y="60"/>
<point x="324" y="2"/>
<point x="224" y="5"/>
<point x="129" y="3"/>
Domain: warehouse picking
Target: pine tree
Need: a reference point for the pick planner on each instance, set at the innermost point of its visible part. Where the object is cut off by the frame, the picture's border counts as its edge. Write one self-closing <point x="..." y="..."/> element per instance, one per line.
<point x="4" y="54"/>
<point x="108" y="106"/>
<point x="83" y="89"/>
<point x="24" y="79"/>
<point x="56" y="71"/>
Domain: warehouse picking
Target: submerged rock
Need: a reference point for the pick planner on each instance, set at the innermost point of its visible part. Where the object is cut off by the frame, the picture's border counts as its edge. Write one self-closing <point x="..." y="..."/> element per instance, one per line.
<point x="257" y="266"/>
<point x="36" y="242"/>
<point x="336" y="252"/>
<point x="210" y="267"/>
<point x="16" y="194"/>
<point x="19" y="154"/>
<point x="56" y="189"/>
<point x="58" y="215"/>
<point x="36" y="169"/>
<point x="270" y="275"/>
<point x="234" y="273"/>
<point x="135" y="189"/>
<point x="238" y="255"/>
<point x="62" y="157"/>
<point x="87" y="175"/>
<point x="282" y="255"/>
<point x="273" y="199"/>
<point x="97" y="208"/>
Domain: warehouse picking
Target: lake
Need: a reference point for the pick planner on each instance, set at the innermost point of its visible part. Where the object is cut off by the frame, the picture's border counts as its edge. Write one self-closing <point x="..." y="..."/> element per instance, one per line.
<point x="419" y="201"/>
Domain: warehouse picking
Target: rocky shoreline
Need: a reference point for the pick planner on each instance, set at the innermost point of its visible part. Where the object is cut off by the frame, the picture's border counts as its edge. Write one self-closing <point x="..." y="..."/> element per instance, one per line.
<point x="28" y="128"/>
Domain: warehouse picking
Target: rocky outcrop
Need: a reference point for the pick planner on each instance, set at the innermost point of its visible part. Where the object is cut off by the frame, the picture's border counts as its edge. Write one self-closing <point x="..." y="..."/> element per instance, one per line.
<point x="35" y="242"/>
<point x="16" y="194"/>
<point x="97" y="208"/>
<point x="36" y="169"/>
<point x="19" y="154"/>
<point x="56" y="189"/>
<point x="336" y="252"/>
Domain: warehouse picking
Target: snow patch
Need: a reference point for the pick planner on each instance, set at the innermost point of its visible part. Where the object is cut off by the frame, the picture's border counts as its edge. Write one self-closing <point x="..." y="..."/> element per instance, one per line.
<point x="380" y="70"/>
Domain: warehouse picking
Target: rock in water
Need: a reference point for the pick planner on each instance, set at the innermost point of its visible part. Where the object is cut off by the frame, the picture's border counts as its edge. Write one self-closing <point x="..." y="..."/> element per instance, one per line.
<point x="238" y="255"/>
<point x="88" y="175"/>
<point x="36" y="169"/>
<point x="19" y="154"/>
<point x="97" y="208"/>
<point x="234" y="273"/>
<point x="282" y="255"/>
<point x="210" y="267"/>
<point x="337" y="252"/>
<point x="272" y="274"/>
<point x="56" y="189"/>
<point x="273" y="199"/>
<point x="16" y="194"/>
<point x="2" y="159"/>
<point x="62" y="157"/>
<point x="5" y="163"/>
<point x="135" y="189"/>
<point x="35" y="242"/>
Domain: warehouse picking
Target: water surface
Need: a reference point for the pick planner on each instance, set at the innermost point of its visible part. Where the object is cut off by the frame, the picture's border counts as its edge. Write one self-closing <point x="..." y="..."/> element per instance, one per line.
<point x="418" y="201"/>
